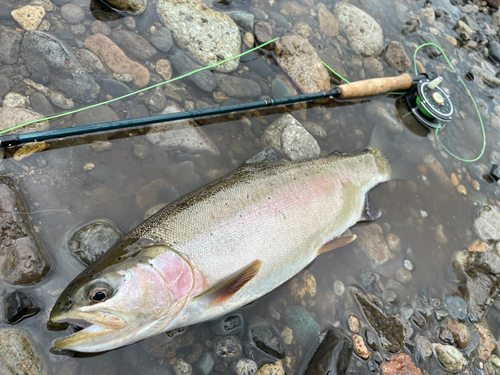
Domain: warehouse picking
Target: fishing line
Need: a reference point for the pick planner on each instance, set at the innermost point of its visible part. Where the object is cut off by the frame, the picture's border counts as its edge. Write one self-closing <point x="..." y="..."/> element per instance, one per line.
<point x="141" y="90"/>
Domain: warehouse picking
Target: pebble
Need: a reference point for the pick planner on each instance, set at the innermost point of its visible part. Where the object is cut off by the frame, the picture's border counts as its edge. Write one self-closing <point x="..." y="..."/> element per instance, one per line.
<point x="249" y="40"/>
<point x="372" y="241"/>
<point x="181" y="367"/>
<point x="4" y="85"/>
<point x="10" y="40"/>
<point x="55" y="97"/>
<point x="263" y="33"/>
<point x="133" y="7"/>
<point x="271" y="369"/>
<point x="18" y="306"/>
<point x="360" y="347"/>
<point x="115" y="88"/>
<point x="303" y="286"/>
<point x="164" y="68"/>
<point x="94" y="116"/>
<point x="459" y="331"/>
<point x="236" y="87"/>
<point x="424" y="346"/>
<point x="487" y="343"/>
<point x="99" y="27"/>
<point x="206" y="363"/>
<point x="229" y="325"/>
<point x="129" y="23"/>
<point x="304" y="327"/>
<point x="29" y="17"/>
<point x="373" y="67"/>
<point x="13" y="99"/>
<point x="162" y="39"/>
<point x="400" y="364"/>
<point x="116" y="59"/>
<point x="353" y="324"/>
<point x="327" y="22"/>
<point x="12" y="116"/>
<point x="20" y="354"/>
<point x="40" y="104"/>
<point x="5" y="10"/>
<point x="487" y="224"/>
<point x="479" y="246"/>
<point x="133" y="45"/>
<point x="428" y="15"/>
<point x="183" y="64"/>
<point x="386" y="114"/>
<point x="72" y="13"/>
<point x="155" y="100"/>
<point x="449" y="357"/>
<point x="246" y="366"/>
<point x="29" y="149"/>
<point x="244" y="20"/>
<point x="293" y="9"/>
<point x="338" y="287"/>
<point x="408" y="264"/>
<point x="227" y="348"/>
<point x="92" y="240"/>
<point x="396" y="56"/>
<point x="165" y="346"/>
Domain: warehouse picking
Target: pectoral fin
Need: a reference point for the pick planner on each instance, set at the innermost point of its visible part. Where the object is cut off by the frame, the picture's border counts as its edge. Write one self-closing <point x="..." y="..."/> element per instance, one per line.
<point x="336" y="242"/>
<point x="223" y="291"/>
<point x="370" y="211"/>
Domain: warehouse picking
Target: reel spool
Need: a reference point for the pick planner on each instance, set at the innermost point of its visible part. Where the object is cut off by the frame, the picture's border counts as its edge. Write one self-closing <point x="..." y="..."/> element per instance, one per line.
<point x="429" y="103"/>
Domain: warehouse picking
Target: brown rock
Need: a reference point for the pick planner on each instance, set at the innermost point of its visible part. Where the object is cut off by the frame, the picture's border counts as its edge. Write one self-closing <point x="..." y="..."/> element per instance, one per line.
<point x="292" y="9"/>
<point x="20" y="354"/>
<point x="459" y="331"/>
<point x="400" y="364"/>
<point x="360" y="347"/>
<point x="303" y="286"/>
<point x="30" y="148"/>
<point x="146" y="196"/>
<point x="396" y="57"/>
<point x="301" y="62"/>
<point x="263" y="33"/>
<point x="493" y="3"/>
<point x="116" y="59"/>
<point x="327" y="22"/>
<point x="486" y="343"/>
<point x="373" y="67"/>
<point x="353" y="323"/>
<point x="452" y="40"/>
<point x="479" y="246"/>
<point x="164" y="68"/>
<point x="372" y="241"/>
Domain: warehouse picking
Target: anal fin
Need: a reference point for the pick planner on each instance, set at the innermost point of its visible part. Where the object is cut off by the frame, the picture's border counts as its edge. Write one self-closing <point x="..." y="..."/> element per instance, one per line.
<point x="336" y="242"/>
<point x="223" y="291"/>
<point x="370" y="211"/>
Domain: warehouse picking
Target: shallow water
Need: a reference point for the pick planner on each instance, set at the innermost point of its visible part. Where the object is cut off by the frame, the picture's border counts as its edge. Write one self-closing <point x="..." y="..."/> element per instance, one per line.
<point x="62" y="197"/>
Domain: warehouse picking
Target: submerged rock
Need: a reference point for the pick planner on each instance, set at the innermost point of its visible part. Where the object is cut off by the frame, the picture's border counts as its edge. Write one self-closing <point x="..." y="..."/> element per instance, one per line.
<point x="304" y="327"/>
<point x="29" y="17"/>
<point x="18" y="306"/>
<point x="206" y="35"/>
<point x="10" y="40"/>
<point x="182" y="63"/>
<point x="92" y="240"/>
<point x="396" y="56"/>
<point x="389" y="328"/>
<point x="271" y="369"/>
<point x="327" y="22"/>
<point x="134" y="45"/>
<point x="364" y="33"/>
<point x="12" y="116"/>
<point x="487" y="224"/>
<point x="298" y="58"/>
<point x="237" y="87"/>
<point x="20" y="354"/>
<point x="229" y="325"/>
<point x="459" y="331"/>
<point x="385" y="114"/>
<point x="487" y="343"/>
<point x="134" y="7"/>
<point x="400" y="364"/>
<point x="45" y="53"/>
<point x="372" y="241"/>
<point x="227" y="348"/>
<point x="23" y="260"/>
<point x="449" y="357"/>
<point x="263" y="337"/>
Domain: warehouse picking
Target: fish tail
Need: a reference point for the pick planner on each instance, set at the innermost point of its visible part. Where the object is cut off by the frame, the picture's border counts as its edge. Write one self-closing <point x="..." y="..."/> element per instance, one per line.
<point x="400" y="169"/>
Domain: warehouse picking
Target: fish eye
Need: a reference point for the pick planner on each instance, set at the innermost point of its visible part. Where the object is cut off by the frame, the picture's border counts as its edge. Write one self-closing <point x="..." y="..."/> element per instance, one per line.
<point x="99" y="293"/>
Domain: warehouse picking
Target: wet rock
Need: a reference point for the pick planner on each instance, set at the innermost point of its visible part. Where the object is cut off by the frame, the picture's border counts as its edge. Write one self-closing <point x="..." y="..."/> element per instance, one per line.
<point x="92" y="240"/>
<point x="372" y="241"/>
<point x="41" y="104"/>
<point x="456" y="307"/>
<point x="182" y="134"/>
<point x="205" y="364"/>
<point x="10" y="40"/>
<point x="424" y="346"/>
<point x="44" y="53"/>
<point x="279" y="88"/>
<point x="263" y="337"/>
<point x="29" y="17"/>
<point x="479" y="272"/>
<point x="162" y="39"/>
<point x="293" y="9"/>
<point x="181" y="367"/>
<point x="288" y="136"/>
<point x="360" y="347"/>
<point x="246" y="367"/>
<point x="165" y="346"/>
<point x="72" y="13"/>
<point x="428" y="15"/>
<point x="55" y="97"/>
<point x="155" y="99"/>
<point x="116" y="59"/>
<point x="316" y="130"/>
<point x="4" y="85"/>
<point x="327" y="22"/>
<point x="263" y="33"/>
<point x="95" y="116"/>
<point x="493" y="3"/>
<point x="396" y="57"/>
<point x="236" y="87"/>
<point x="271" y="369"/>
<point x="5" y="10"/>
<point x="389" y="328"/>
<point x="249" y="40"/>
<point x="332" y="355"/>
<point x="99" y="27"/>
<point x="12" y="116"/>
<point x="133" y="44"/>
<point x="304" y="327"/>
<point x="364" y="33"/>
<point x="487" y="343"/>
<point x="134" y="7"/>
<point x="487" y="224"/>
<point x="13" y="99"/>
<point x="194" y="25"/>
<point x="227" y="348"/>
<point x="301" y="62"/>
<point x="494" y="51"/>
<point x="386" y="114"/>
<point x="244" y="20"/>
<point x="19" y="353"/>
<point x="459" y="331"/>
<point x="373" y="67"/>
<point x="18" y="306"/>
<point x="229" y="325"/>
<point x="303" y="29"/>
<point x="164" y="68"/>
<point x="303" y="286"/>
<point x="338" y="287"/>
<point x="449" y="357"/>
<point x="400" y="364"/>
<point x="182" y="63"/>
<point x="115" y="88"/>
<point x="41" y="78"/>
<point x="353" y="324"/>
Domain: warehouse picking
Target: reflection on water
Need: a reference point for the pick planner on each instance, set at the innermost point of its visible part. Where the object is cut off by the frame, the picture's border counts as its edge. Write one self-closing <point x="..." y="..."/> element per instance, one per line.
<point x="120" y="176"/>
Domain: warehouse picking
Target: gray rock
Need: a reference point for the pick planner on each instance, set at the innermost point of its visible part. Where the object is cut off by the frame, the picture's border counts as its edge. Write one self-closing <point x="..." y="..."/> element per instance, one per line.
<point x="205" y="364"/>
<point x="487" y="224"/>
<point x="11" y="116"/>
<point x="133" y="44"/>
<point x="389" y="328"/>
<point x="4" y="85"/>
<point x="424" y="346"/>
<point x="18" y="306"/>
<point x="246" y="366"/>
<point x="60" y="2"/>
<point x="95" y="116"/>
<point x="72" y="13"/>
<point x="279" y="88"/>
<point x="194" y="25"/>
<point x="99" y="27"/>
<point x="115" y="88"/>
<point x="236" y="87"/>
<point x="24" y="260"/>
<point x="155" y="99"/>
<point x="263" y="33"/>
<point x="364" y="33"/>
<point x="449" y="357"/>
<point x="396" y="57"/>
<point x="304" y="327"/>
<point x="41" y="104"/>
<point x="229" y="325"/>
<point x="138" y="111"/>
<point x="9" y="45"/>
<point x="133" y="7"/>
<point x="40" y="77"/>
<point x="227" y="348"/>
<point x="92" y="240"/>
<point x="244" y="20"/>
<point x="181" y="367"/>
<point x="384" y="114"/>
<point x="5" y="10"/>
<point x="280" y="19"/>
<point x="20" y="354"/>
<point x="182" y="63"/>
<point x="456" y="307"/>
<point x="263" y="339"/>
<point x="44" y="53"/>
<point x="494" y="51"/>
<point x="162" y="39"/>
<point x="372" y="241"/>
<point x="63" y="34"/>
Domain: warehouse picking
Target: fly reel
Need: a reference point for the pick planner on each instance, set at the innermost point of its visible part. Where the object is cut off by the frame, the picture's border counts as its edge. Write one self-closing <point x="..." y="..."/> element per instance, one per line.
<point x="429" y="103"/>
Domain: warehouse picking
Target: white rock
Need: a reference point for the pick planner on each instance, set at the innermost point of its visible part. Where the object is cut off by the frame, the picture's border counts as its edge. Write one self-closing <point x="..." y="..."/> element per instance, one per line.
<point x="13" y="99"/>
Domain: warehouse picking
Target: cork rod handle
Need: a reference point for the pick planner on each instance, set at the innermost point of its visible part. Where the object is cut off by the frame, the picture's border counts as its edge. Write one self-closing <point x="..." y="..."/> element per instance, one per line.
<point x="375" y="86"/>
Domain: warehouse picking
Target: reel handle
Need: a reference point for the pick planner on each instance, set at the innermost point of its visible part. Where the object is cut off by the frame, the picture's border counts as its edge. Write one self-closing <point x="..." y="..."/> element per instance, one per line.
<point x="375" y="86"/>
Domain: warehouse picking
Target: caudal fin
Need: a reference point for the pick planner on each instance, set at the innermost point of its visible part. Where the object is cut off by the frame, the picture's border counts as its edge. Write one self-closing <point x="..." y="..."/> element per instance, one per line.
<point x="401" y="169"/>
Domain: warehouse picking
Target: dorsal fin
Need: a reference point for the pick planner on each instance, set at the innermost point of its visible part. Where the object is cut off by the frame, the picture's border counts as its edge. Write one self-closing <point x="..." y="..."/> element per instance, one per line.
<point x="336" y="242"/>
<point x="370" y="211"/>
<point x="223" y="291"/>
<point x="268" y="155"/>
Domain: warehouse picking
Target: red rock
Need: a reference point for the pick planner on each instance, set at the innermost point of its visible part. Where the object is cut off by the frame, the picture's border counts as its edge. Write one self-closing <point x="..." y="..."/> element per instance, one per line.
<point x="400" y="364"/>
<point x="487" y="343"/>
<point x="459" y="331"/>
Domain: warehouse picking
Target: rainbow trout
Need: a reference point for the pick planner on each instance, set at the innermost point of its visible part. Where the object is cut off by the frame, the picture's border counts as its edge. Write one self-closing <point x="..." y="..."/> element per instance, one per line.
<point x="221" y="246"/>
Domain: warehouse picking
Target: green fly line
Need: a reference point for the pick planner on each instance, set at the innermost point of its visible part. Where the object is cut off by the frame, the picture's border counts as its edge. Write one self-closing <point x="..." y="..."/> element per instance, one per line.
<point x="141" y="90"/>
